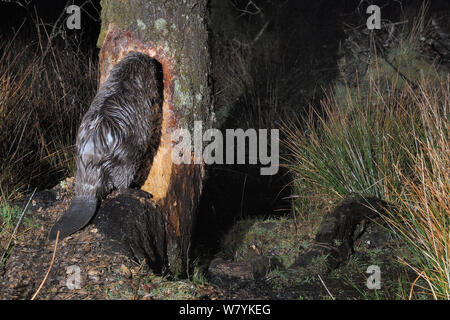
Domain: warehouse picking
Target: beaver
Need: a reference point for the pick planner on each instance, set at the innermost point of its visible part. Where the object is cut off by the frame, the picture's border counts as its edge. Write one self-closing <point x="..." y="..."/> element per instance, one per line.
<point x="113" y="137"/>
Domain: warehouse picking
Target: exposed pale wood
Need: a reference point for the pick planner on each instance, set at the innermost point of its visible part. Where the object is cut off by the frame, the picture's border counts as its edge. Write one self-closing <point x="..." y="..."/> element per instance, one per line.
<point x="175" y="34"/>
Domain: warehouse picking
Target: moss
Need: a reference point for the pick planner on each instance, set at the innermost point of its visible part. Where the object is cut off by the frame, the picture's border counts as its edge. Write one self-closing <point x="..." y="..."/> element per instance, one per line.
<point x="252" y="237"/>
<point x="151" y="287"/>
<point x="122" y="13"/>
<point x="10" y="215"/>
<point x="128" y="16"/>
<point x="175" y="260"/>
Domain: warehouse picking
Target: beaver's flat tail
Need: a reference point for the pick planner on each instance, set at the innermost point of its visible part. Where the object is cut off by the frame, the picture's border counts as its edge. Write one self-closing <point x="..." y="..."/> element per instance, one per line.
<point x="80" y="212"/>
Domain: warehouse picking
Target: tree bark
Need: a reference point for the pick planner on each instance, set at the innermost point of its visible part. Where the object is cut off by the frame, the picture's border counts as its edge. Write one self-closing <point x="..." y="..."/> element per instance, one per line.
<point x="175" y="33"/>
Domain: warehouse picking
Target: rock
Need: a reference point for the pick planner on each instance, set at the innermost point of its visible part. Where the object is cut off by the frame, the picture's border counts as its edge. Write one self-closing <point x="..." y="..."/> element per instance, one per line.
<point x="220" y="271"/>
<point x="375" y="236"/>
<point x="303" y="260"/>
<point x="263" y="265"/>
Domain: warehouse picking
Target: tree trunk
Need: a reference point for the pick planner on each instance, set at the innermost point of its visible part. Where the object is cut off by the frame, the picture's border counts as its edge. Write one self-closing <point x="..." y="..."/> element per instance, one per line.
<point x="174" y="33"/>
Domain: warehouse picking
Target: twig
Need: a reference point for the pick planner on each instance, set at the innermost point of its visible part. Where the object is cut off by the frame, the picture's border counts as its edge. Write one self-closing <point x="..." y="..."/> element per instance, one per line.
<point x="17" y="226"/>
<point x="246" y="9"/>
<point x="261" y="32"/>
<point x="325" y="287"/>
<point x="385" y="58"/>
<point x="256" y="38"/>
<point x="243" y="193"/>
<point x="49" y="268"/>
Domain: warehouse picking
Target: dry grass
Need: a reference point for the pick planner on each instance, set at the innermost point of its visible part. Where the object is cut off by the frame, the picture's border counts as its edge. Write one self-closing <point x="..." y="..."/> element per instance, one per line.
<point x="386" y="137"/>
<point x="44" y="90"/>
<point x="422" y="214"/>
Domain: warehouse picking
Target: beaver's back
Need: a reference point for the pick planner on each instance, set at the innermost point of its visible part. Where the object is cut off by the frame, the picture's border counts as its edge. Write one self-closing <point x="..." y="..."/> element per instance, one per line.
<point x="116" y="130"/>
<point x="113" y="137"/>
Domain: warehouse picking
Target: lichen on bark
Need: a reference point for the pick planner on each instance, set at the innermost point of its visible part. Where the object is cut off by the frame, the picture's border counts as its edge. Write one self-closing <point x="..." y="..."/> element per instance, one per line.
<point x="179" y="27"/>
<point x="175" y="33"/>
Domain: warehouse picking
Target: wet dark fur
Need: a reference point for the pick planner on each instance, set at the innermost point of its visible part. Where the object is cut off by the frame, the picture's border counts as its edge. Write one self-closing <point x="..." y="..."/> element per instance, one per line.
<point x="114" y="137"/>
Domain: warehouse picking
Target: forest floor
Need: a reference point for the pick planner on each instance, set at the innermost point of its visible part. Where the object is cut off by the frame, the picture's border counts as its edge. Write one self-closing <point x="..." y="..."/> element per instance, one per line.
<point x="260" y="259"/>
<point x="102" y="275"/>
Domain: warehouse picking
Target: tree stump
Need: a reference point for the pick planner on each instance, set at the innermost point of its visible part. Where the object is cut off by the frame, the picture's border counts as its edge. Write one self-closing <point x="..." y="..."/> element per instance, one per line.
<point x="133" y="226"/>
<point x="336" y="233"/>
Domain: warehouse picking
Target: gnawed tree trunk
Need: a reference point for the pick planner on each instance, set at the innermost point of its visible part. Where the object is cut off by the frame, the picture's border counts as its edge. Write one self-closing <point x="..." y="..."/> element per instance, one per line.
<point x="174" y="33"/>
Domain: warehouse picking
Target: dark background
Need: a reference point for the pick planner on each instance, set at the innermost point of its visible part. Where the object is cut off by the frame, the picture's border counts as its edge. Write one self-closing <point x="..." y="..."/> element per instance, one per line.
<point x="231" y="191"/>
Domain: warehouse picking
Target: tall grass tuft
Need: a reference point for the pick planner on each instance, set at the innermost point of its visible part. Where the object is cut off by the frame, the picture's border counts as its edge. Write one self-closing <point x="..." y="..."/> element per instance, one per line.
<point x="44" y="90"/>
<point x="355" y="143"/>
<point x="385" y="136"/>
<point x="422" y="212"/>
